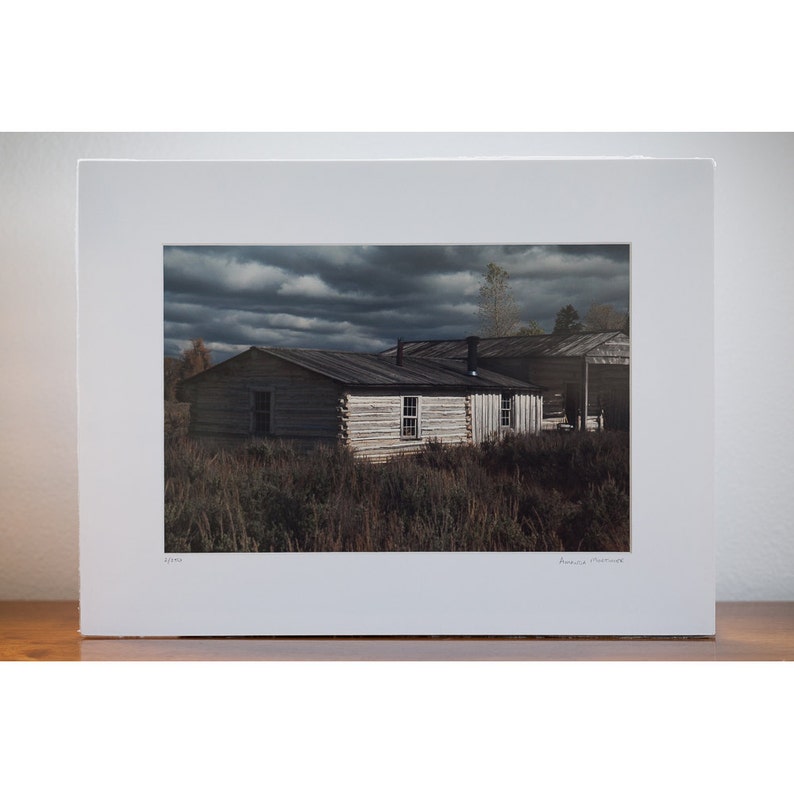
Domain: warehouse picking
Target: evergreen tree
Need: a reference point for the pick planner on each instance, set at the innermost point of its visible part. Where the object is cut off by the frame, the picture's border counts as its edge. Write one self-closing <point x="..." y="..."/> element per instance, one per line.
<point x="567" y="320"/>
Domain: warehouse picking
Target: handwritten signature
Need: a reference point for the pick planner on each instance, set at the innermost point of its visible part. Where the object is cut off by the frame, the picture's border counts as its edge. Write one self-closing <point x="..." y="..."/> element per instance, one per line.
<point x="593" y="561"/>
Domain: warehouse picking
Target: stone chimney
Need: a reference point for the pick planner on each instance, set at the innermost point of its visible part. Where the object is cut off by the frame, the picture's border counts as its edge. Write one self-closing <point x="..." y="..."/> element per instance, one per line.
<point x="471" y="358"/>
<point x="400" y="352"/>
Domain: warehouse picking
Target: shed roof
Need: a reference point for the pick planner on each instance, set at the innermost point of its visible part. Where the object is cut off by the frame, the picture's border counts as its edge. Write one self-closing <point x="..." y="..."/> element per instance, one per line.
<point x="603" y="344"/>
<point x="375" y="370"/>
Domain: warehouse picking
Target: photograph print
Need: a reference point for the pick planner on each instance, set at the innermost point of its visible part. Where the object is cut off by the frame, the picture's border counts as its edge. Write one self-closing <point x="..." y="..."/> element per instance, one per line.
<point x="397" y="398"/>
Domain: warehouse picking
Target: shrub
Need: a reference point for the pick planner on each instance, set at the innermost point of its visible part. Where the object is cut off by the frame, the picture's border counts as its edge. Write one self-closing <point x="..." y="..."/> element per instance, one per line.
<point x="519" y="493"/>
<point x="177" y="418"/>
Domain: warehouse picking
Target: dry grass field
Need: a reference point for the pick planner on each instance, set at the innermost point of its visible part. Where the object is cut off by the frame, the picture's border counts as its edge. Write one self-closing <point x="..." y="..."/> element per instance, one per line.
<point x="550" y="492"/>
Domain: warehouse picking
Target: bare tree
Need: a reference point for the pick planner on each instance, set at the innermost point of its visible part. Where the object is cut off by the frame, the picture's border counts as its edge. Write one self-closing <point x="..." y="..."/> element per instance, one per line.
<point x="195" y="358"/>
<point x="532" y="328"/>
<point x="498" y="310"/>
<point x="192" y="360"/>
<point x="603" y="317"/>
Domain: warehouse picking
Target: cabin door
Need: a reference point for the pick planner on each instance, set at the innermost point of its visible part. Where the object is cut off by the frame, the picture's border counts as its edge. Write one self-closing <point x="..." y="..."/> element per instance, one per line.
<point x="572" y="402"/>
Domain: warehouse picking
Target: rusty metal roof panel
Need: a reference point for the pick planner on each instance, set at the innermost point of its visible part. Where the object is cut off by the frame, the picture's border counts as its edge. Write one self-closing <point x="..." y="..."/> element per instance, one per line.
<point x="615" y="348"/>
<point x="567" y="345"/>
<point x="374" y="370"/>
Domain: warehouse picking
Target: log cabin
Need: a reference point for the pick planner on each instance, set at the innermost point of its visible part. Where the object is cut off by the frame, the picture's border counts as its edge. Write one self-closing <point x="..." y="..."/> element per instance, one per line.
<point x="574" y="369"/>
<point x="377" y="405"/>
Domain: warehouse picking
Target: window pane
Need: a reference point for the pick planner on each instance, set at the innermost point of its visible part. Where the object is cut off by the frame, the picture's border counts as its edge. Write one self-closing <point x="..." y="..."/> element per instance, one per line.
<point x="261" y="412"/>
<point x="504" y="414"/>
<point x="410" y="417"/>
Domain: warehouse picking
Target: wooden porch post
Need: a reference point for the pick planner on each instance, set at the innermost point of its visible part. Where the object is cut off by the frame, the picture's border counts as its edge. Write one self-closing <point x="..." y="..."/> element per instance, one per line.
<point x="585" y="394"/>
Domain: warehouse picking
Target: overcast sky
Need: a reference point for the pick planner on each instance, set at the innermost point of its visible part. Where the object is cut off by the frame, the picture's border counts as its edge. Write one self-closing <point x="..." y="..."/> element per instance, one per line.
<point x="364" y="297"/>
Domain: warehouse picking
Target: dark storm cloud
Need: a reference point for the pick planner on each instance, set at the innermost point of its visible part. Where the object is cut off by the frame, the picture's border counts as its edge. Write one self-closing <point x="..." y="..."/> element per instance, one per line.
<point x="616" y="252"/>
<point x="364" y="297"/>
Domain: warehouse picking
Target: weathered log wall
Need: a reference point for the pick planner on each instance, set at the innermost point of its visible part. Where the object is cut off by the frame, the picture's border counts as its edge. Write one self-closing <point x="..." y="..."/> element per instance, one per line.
<point x="372" y="422"/>
<point x="304" y="405"/>
<point x="312" y="408"/>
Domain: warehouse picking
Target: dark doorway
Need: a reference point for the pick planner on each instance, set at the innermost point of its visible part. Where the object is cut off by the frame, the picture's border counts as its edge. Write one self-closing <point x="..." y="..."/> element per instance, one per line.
<point x="572" y="402"/>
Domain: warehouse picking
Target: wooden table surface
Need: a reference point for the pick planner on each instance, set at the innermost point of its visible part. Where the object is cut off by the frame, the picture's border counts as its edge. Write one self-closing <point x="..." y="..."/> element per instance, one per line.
<point x="48" y="631"/>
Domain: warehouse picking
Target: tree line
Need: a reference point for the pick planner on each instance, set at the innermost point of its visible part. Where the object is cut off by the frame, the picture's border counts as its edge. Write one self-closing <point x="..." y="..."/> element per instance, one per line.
<point x="499" y="314"/>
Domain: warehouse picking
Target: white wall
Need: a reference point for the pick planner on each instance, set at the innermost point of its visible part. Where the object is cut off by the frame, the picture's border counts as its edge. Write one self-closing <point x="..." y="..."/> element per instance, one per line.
<point x="754" y="302"/>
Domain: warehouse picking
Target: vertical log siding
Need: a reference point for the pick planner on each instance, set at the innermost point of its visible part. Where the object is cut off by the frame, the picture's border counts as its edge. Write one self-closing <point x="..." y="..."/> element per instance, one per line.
<point x="526" y="415"/>
<point x="607" y="393"/>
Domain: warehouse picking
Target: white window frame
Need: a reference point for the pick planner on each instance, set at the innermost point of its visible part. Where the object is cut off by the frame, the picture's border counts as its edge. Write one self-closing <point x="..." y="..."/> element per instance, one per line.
<point x="417" y="417"/>
<point x="254" y="413"/>
<point x="510" y="410"/>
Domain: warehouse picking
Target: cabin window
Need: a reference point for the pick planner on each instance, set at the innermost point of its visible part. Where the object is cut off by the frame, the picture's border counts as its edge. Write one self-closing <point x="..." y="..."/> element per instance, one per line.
<point x="261" y="413"/>
<point x="506" y="411"/>
<point x="410" y="417"/>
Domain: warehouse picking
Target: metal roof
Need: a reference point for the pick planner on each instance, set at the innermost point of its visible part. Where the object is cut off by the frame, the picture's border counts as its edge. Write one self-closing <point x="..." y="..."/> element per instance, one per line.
<point x="377" y="370"/>
<point x="603" y="344"/>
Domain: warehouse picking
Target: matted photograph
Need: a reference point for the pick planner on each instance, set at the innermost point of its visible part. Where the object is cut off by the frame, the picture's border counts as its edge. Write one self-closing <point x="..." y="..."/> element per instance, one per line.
<point x="398" y="397"/>
<point x="469" y="398"/>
